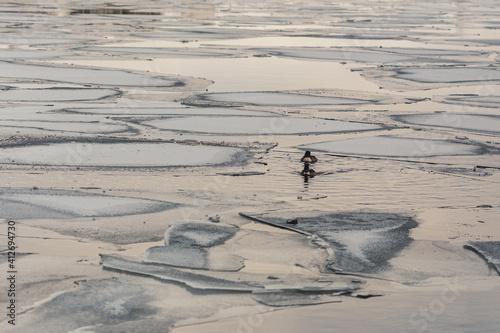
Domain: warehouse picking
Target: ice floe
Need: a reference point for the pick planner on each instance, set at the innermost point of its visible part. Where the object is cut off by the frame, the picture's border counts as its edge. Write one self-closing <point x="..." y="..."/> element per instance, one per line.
<point x="339" y="54"/>
<point x="56" y="204"/>
<point x="278" y="98"/>
<point x="29" y="54"/>
<point x="168" y="273"/>
<point x="156" y="51"/>
<point x="395" y="147"/>
<point x="482" y="101"/>
<point x="56" y="94"/>
<point x="363" y="241"/>
<point x="471" y="122"/>
<point x="282" y="299"/>
<point x="258" y="125"/>
<point x="82" y="75"/>
<point x="101" y="303"/>
<point x="449" y="74"/>
<point x="138" y="111"/>
<point x="187" y="244"/>
<point x="489" y="251"/>
<point x="63" y="126"/>
<point x="121" y="155"/>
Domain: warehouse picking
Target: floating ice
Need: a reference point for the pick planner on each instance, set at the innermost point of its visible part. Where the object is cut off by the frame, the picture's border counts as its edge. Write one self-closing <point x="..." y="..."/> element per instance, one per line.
<point x="276" y="98"/>
<point x="103" y="302"/>
<point x="489" y="251"/>
<point x="82" y="75"/>
<point x="363" y="242"/>
<point x="53" y="204"/>
<point x="231" y="281"/>
<point x="157" y="51"/>
<point x="167" y="273"/>
<point x="395" y="147"/>
<point x="120" y="155"/>
<point x="483" y="101"/>
<point x="449" y="74"/>
<point x="193" y="257"/>
<point x="258" y="125"/>
<point x="280" y="299"/>
<point x="188" y="243"/>
<point x="64" y="126"/>
<point x="39" y="41"/>
<point x="28" y="54"/>
<point x="137" y="111"/>
<point x="56" y="94"/>
<point x="340" y="54"/>
<point x="201" y="234"/>
<point x="460" y="121"/>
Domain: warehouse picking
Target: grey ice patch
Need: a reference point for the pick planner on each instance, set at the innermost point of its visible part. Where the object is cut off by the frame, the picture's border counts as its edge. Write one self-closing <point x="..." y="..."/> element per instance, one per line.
<point x="156" y="111"/>
<point x="489" y="251"/>
<point x="258" y="125"/>
<point x="339" y="54"/>
<point x="475" y="100"/>
<point x="59" y="204"/>
<point x="83" y="75"/>
<point x="193" y="257"/>
<point x="57" y="94"/>
<point x="94" y="127"/>
<point x="279" y="98"/>
<point x="167" y="273"/>
<point x="282" y="299"/>
<point x="199" y="234"/>
<point x="122" y="155"/>
<point x="188" y="245"/>
<point x="449" y="74"/>
<point x="156" y="51"/>
<point x="396" y="147"/>
<point x="470" y="122"/>
<point x="363" y="241"/>
<point x="104" y="303"/>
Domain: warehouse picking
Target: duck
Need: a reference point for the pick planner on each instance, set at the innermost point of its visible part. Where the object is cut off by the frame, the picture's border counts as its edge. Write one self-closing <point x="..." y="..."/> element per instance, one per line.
<point x="308" y="158"/>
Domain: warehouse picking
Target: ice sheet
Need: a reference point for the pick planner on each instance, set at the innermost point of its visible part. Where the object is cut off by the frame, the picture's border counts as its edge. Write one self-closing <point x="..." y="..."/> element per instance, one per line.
<point x="82" y="75"/>
<point x="133" y="111"/>
<point x="363" y="241"/>
<point x="79" y="127"/>
<point x="489" y="251"/>
<point x="119" y="155"/>
<point x="276" y="98"/>
<point x="258" y="125"/>
<point x="42" y="204"/>
<point x="56" y="94"/>
<point x="395" y="147"/>
<point x="481" y="123"/>
<point x="449" y="74"/>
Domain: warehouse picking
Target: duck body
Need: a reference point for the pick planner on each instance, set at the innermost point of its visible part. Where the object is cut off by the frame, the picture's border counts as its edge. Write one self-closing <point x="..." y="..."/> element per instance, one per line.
<point x="308" y="158"/>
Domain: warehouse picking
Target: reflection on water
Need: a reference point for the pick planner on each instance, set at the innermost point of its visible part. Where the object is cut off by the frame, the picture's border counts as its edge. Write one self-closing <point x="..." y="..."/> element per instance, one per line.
<point x="111" y="10"/>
